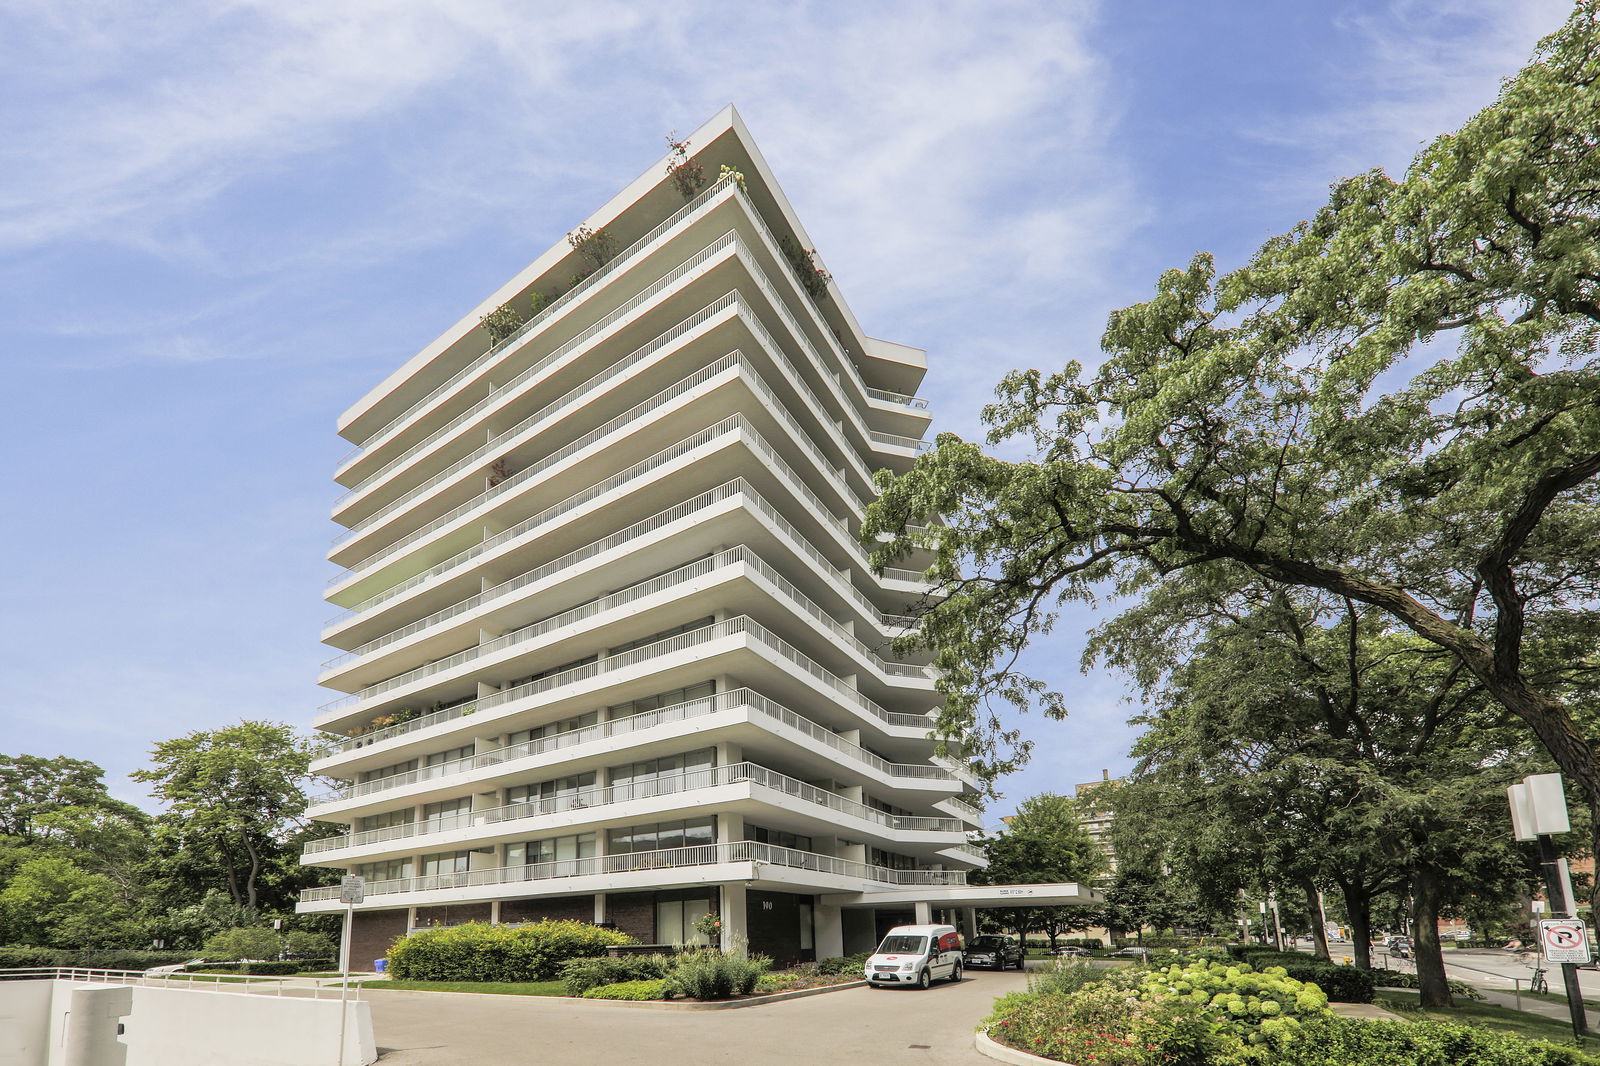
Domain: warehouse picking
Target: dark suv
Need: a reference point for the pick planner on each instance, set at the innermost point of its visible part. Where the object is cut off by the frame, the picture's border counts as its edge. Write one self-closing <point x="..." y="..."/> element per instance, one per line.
<point x="996" y="952"/>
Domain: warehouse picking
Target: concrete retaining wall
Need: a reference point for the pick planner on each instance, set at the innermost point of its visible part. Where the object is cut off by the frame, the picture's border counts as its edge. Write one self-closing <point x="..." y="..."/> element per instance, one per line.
<point x="189" y="1027"/>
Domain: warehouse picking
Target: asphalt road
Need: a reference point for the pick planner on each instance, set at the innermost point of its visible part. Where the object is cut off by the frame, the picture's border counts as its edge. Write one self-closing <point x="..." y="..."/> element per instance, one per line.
<point x="1491" y="969"/>
<point x="856" y="1026"/>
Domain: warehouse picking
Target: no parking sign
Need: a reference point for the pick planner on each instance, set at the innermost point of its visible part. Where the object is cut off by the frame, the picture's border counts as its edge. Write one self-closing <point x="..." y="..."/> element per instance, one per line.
<point x="1564" y="940"/>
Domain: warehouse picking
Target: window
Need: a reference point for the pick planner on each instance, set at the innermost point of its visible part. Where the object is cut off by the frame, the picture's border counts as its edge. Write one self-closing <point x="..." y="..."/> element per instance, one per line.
<point x="544" y="790"/>
<point x="565" y="725"/>
<point x="542" y="674"/>
<point x="446" y="814"/>
<point x="446" y="862"/>
<point x="661" y="835"/>
<point x="655" y="776"/>
<point x="390" y="870"/>
<point x="440" y="758"/>
<point x="404" y="816"/>
<point x="552" y="849"/>
<point x="778" y="837"/>
<point x="687" y="694"/>
<point x="893" y="860"/>
<point x="698" y="623"/>
<point x="675" y="922"/>
<point x="389" y="771"/>
<point x="807" y="935"/>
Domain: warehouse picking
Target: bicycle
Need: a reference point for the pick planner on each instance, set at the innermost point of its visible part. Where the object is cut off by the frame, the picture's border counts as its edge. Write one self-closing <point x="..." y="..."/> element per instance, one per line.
<point x="1537" y="983"/>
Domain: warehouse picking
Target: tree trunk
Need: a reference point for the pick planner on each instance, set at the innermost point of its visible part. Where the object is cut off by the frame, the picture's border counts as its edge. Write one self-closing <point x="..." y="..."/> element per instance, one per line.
<point x="1431" y="981"/>
<point x="1359" y="904"/>
<point x="1319" y="931"/>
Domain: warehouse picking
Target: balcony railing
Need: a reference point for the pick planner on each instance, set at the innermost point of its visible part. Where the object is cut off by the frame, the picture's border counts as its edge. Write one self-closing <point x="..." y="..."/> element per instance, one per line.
<point x="900" y="441"/>
<point x="528" y="635"/>
<point x="547" y="313"/>
<point x="901" y="398"/>
<point x="736" y="699"/>
<point x="669" y="785"/>
<point x="666" y="859"/>
<point x="682" y="642"/>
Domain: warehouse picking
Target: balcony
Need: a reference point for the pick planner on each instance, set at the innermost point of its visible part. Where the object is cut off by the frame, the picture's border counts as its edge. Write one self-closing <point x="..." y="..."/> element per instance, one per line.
<point x="742" y="851"/>
<point x="776" y="717"/>
<point x="595" y="800"/>
<point x="680" y="644"/>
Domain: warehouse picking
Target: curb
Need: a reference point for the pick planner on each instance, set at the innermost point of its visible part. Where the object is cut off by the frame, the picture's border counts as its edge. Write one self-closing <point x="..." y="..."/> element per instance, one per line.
<point x="1000" y="1053"/>
<point x="653" y="1004"/>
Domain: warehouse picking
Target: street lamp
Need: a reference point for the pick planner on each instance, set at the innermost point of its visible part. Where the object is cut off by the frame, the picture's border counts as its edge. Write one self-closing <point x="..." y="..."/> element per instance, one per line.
<point x="1538" y="812"/>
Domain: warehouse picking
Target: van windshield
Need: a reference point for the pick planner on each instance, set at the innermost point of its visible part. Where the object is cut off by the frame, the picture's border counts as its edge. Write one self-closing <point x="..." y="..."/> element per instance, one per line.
<point x="902" y="945"/>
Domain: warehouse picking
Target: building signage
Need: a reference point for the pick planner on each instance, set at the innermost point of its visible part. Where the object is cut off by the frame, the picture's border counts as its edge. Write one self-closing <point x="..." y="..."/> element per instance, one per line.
<point x="1564" y="940"/>
<point x="352" y="889"/>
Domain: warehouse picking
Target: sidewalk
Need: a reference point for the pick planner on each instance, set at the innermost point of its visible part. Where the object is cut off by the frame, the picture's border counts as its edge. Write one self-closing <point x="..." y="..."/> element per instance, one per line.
<point x="1532" y="1005"/>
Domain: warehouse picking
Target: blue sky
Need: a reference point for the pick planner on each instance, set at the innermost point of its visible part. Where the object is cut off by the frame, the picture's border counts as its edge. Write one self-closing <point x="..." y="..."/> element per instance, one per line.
<point x="221" y="223"/>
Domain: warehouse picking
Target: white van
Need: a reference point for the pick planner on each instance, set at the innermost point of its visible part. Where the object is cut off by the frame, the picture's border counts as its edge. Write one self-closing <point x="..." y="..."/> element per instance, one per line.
<point x="916" y="955"/>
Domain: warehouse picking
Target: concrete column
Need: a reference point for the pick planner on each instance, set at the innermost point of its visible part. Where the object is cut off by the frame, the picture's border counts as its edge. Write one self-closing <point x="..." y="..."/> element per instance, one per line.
<point x="858" y="793"/>
<point x="849" y="849"/>
<point x="730" y="827"/>
<point x="735" y="925"/>
<point x="729" y="753"/>
<point x="924" y="912"/>
<point x="486" y="689"/>
<point x="852" y="735"/>
<point x="494" y="912"/>
<point x="599" y="907"/>
<point x="969" y="922"/>
<point x="829" y="924"/>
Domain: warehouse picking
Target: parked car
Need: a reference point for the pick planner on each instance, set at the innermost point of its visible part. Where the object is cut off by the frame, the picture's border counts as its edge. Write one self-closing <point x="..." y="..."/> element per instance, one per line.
<point x="915" y="955"/>
<point x="994" y="952"/>
<point x="1459" y="934"/>
<point x="1131" y="953"/>
<point x="1073" y="952"/>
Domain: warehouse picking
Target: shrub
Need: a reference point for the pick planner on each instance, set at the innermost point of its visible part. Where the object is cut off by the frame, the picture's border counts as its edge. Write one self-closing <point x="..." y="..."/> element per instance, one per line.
<point x="18" y="957"/>
<point x="478" y="951"/>
<point x="1246" y="1007"/>
<point x="1343" y="984"/>
<point x="1065" y="976"/>
<point x="711" y="975"/>
<point x="855" y="964"/>
<point x="243" y="942"/>
<point x="1344" y="1042"/>
<point x="635" y="990"/>
<point x="1402" y="979"/>
<point x="301" y="944"/>
<point x="580" y="975"/>
<point x="1096" y="1021"/>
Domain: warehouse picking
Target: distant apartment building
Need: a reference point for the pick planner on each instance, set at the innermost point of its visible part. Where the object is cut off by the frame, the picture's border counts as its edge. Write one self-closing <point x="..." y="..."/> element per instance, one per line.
<point x="608" y="647"/>
<point x="1097" y="817"/>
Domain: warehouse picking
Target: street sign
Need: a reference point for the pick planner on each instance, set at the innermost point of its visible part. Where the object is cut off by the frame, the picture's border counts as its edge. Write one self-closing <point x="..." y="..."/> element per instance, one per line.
<point x="1564" y="940"/>
<point x="352" y="889"/>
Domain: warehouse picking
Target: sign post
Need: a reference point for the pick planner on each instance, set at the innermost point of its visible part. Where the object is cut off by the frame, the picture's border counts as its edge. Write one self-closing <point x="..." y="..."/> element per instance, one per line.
<point x="352" y="890"/>
<point x="1538" y="812"/>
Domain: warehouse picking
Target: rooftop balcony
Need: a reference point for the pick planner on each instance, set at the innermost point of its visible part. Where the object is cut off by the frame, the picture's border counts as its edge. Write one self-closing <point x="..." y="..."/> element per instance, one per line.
<point x="741" y="851"/>
<point x="512" y="820"/>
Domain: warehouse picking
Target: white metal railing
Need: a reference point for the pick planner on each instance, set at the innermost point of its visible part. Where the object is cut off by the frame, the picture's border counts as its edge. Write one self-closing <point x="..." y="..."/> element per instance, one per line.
<point x="529" y="473"/>
<point x="546" y="314"/>
<point x="963" y="805"/>
<point x="651" y="788"/>
<point x="898" y="397"/>
<point x="899" y="440"/>
<point x="237" y="984"/>
<point x="549" y="412"/>
<point x="740" y="625"/>
<point x="742" y="698"/>
<point x="667" y="858"/>
<point x="699" y="568"/>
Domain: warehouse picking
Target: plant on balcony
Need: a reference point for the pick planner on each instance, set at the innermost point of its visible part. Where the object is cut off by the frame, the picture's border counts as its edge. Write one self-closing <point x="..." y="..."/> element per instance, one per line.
<point x="813" y="278"/>
<point x="688" y="176"/>
<point x="596" y="247"/>
<point x="732" y="172"/>
<point x="384" y="721"/>
<point x="501" y="323"/>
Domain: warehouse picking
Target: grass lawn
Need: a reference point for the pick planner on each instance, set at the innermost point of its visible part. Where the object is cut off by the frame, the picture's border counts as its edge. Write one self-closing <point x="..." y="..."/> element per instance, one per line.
<point x="1559" y="997"/>
<point x="498" y="988"/>
<point x="1504" y="1019"/>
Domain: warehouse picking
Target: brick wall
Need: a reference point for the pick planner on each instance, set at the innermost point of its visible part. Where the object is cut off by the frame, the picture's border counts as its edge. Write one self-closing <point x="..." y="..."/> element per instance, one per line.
<point x="452" y="914"/>
<point x="576" y="908"/>
<point x="633" y="913"/>
<point x="371" y="934"/>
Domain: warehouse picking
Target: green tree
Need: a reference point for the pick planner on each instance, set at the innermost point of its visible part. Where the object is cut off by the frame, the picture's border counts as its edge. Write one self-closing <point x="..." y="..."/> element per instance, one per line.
<point x="1045" y="842"/>
<point x="52" y="902"/>
<point x="243" y="942"/>
<point x="33" y="787"/>
<point x="1250" y="426"/>
<point x="235" y="796"/>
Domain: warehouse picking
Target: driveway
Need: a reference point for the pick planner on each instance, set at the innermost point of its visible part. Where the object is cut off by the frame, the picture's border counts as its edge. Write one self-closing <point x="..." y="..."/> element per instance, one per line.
<point x="856" y="1026"/>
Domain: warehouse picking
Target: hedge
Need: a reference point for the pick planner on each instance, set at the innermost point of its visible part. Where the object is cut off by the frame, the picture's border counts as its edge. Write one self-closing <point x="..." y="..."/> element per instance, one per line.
<point x="102" y="959"/>
<point x="479" y="951"/>
<point x="634" y="990"/>
<point x="1347" y="1042"/>
<point x="1343" y="984"/>
<point x="580" y="975"/>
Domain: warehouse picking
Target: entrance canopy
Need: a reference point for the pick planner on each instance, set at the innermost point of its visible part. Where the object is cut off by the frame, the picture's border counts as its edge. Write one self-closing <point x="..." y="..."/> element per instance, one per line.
<point x="979" y="896"/>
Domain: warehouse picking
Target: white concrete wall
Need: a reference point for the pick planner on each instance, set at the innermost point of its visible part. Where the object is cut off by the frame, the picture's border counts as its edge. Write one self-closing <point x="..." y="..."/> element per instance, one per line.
<point x="189" y="1027"/>
<point x="25" y="1022"/>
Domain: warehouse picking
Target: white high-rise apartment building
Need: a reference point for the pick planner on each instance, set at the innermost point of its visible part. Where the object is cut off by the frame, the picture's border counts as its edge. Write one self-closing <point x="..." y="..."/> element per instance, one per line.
<point x="610" y="647"/>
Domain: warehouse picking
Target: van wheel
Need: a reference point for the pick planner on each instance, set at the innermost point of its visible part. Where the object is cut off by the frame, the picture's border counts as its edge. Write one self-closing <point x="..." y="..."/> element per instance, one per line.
<point x="955" y="973"/>
<point x="924" y="979"/>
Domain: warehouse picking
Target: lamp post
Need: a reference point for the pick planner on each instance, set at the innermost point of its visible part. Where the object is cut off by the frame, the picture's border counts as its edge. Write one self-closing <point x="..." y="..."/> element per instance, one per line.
<point x="1538" y="812"/>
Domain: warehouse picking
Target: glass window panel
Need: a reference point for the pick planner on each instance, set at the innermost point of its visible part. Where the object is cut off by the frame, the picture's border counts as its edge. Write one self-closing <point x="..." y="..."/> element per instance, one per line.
<point x="669" y="922"/>
<point x="700" y="831"/>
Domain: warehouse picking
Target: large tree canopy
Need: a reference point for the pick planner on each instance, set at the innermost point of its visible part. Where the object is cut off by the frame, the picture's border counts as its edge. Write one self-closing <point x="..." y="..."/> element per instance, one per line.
<point x="1396" y="403"/>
